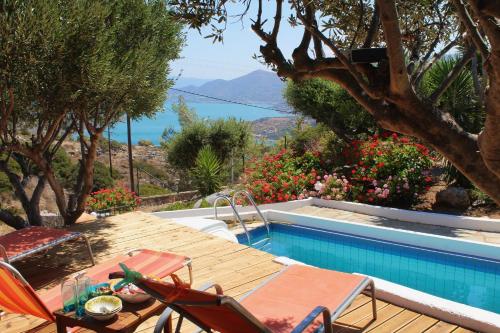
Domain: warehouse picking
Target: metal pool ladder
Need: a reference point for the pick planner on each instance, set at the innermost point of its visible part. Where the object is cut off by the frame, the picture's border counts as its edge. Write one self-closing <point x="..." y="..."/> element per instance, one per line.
<point x="232" y="203"/>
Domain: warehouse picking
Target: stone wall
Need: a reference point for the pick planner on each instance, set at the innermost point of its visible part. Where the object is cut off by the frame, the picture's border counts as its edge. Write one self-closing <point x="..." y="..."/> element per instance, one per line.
<point x="158" y="200"/>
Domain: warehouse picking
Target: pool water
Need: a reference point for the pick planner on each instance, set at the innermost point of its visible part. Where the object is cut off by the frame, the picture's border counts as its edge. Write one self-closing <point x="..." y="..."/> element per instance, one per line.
<point x="468" y="280"/>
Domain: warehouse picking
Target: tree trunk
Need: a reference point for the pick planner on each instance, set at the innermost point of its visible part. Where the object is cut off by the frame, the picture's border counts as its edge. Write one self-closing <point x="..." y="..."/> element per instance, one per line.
<point x="489" y="139"/>
<point x="441" y="132"/>
<point x="85" y="183"/>
<point x="33" y="211"/>
<point x="31" y="206"/>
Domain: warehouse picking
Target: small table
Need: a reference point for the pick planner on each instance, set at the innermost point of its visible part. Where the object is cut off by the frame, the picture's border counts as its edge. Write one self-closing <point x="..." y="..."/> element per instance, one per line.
<point x="126" y="321"/>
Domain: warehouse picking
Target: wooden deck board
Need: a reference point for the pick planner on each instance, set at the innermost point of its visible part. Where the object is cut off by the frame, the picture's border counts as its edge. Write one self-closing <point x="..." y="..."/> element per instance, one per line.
<point x="237" y="268"/>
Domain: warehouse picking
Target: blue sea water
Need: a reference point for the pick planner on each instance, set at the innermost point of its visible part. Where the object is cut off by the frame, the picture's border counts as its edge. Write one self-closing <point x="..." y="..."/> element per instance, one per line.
<point x="152" y="129"/>
<point x="467" y="280"/>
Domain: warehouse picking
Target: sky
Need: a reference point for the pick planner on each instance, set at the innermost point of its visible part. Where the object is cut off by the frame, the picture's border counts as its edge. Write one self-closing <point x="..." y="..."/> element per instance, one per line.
<point x="200" y="58"/>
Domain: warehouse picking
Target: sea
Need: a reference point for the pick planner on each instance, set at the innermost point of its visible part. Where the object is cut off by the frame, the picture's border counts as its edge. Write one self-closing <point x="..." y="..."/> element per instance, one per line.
<point x="152" y="128"/>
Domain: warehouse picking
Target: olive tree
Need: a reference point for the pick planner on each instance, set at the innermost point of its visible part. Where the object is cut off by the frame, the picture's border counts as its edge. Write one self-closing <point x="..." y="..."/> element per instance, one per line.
<point x="73" y="68"/>
<point x="405" y="39"/>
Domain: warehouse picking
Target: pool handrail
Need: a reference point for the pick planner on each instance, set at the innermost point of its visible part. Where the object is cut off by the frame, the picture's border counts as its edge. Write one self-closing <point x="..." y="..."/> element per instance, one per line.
<point x="235" y="213"/>
<point x="252" y="201"/>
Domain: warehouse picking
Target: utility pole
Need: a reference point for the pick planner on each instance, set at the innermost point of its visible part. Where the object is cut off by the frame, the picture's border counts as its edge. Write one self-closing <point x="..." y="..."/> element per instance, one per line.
<point x="130" y="158"/>
<point x="109" y="152"/>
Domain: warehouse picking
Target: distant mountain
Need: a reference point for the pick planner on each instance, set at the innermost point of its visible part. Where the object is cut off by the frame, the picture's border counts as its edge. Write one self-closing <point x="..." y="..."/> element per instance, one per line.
<point x="189" y="81"/>
<point x="259" y="87"/>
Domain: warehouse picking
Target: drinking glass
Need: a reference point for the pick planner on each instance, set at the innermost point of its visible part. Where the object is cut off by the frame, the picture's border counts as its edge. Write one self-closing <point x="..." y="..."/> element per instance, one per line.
<point x="68" y="295"/>
<point x="83" y="284"/>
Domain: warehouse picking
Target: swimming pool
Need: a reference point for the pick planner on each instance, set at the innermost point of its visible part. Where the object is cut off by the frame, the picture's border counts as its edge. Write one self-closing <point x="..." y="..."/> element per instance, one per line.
<point x="469" y="280"/>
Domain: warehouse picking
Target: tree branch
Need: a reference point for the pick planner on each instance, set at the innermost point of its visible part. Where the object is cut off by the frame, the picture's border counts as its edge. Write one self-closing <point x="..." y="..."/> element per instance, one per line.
<point x="373" y="29"/>
<point x="452" y="75"/>
<point x="489" y="25"/>
<point x="426" y="65"/>
<point x="489" y="7"/>
<point x="471" y="28"/>
<point x="400" y="83"/>
<point x="313" y="29"/>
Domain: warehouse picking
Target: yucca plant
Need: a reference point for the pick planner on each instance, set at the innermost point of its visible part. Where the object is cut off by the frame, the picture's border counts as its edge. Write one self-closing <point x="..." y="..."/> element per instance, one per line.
<point x="459" y="99"/>
<point x="207" y="172"/>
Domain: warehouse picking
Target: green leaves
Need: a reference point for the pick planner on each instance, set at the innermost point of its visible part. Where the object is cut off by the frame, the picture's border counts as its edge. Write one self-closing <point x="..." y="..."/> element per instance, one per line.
<point x="207" y="172"/>
<point x="331" y="105"/>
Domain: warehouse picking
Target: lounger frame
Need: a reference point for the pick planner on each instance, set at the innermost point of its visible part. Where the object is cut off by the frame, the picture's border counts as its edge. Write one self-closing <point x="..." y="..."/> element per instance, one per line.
<point x="71" y="236"/>
<point x="366" y="286"/>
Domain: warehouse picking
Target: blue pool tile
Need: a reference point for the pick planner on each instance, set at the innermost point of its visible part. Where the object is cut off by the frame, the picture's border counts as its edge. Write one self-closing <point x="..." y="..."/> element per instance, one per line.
<point x="467" y="280"/>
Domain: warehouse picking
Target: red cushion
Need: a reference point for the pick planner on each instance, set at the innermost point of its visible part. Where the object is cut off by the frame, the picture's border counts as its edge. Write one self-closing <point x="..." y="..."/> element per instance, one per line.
<point x="33" y="238"/>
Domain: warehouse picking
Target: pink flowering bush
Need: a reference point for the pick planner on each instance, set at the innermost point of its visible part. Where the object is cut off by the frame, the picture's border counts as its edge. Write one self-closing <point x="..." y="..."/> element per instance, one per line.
<point x="332" y="187"/>
<point x="282" y="176"/>
<point x="118" y="197"/>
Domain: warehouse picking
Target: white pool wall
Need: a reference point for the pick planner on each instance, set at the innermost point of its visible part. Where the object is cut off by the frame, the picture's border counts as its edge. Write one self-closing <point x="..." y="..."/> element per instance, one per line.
<point x="447" y="220"/>
<point x="406" y="237"/>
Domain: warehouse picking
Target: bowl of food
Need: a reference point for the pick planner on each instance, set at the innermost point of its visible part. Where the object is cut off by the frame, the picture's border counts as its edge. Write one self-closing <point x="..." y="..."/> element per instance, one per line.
<point x="103" y="307"/>
<point x="130" y="293"/>
<point x="100" y="289"/>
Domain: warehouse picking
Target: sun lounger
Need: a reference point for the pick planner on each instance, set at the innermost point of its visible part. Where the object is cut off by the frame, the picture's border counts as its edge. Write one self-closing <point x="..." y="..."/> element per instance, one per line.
<point x="291" y="301"/>
<point x="17" y="296"/>
<point x="24" y="242"/>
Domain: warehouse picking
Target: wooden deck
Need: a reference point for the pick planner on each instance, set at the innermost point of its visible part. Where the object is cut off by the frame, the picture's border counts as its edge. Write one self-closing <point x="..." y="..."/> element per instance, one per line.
<point x="237" y="268"/>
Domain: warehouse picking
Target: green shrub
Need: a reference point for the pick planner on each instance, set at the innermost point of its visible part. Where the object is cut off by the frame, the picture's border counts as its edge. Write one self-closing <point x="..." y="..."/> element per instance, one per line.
<point x="146" y="143"/>
<point x="207" y="172"/>
<point x="204" y="204"/>
<point x="178" y="205"/>
<point x="476" y="195"/>
<point x="5" y="185"/>
<point x="160" y="173"/>
<point x="104" y="144"/>
<point x="146" y="190"/>
<point x="224" y="136"/>
<point x="64" y="168"/>
<point x="102" y="178"/>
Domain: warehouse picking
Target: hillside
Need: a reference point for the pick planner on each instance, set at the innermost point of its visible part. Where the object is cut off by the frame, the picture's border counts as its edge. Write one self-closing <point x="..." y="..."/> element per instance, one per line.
<point x="258" y="87"/>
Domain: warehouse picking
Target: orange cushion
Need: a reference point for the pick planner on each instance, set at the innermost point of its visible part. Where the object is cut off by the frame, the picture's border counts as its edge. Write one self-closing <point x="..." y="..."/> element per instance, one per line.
<point x="282" y="303"/>
<point x="148" y="262"/>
